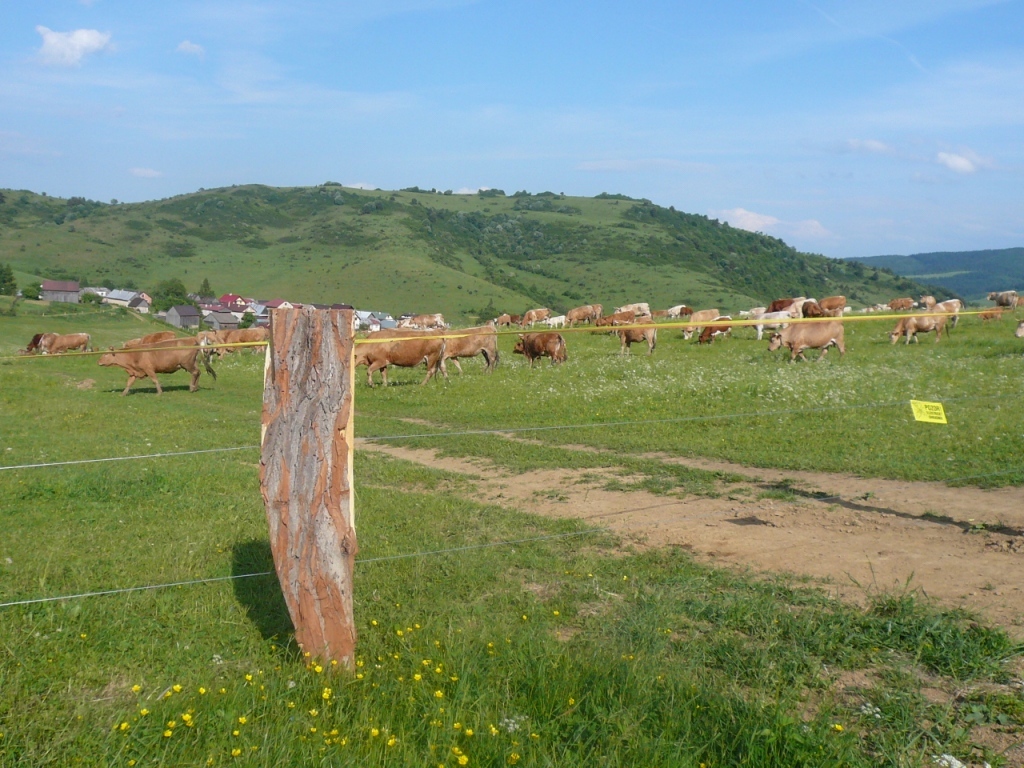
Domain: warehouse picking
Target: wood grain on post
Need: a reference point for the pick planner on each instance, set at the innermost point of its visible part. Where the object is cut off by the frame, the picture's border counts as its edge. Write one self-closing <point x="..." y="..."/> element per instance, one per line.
<point x="306" y="474"/>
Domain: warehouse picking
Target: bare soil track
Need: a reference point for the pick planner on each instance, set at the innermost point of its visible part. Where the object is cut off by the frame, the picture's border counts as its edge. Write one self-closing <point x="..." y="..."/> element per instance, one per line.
<point x="960" y="546"/>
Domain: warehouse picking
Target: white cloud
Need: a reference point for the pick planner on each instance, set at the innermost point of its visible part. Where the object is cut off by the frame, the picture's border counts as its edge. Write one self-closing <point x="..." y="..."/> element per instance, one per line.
<point x="965" y="161"/>
<point x="744" y="219"/>
<point x="145" y="173"/>
<point x="67" y="49"/>
<point x="190" y="48"/>
<point x="741" y="218"/>
<point x="871" y="146"/>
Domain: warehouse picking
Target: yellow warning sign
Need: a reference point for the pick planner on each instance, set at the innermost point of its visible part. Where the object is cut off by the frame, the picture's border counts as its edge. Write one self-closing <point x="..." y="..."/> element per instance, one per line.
<point x="931" y="412"/>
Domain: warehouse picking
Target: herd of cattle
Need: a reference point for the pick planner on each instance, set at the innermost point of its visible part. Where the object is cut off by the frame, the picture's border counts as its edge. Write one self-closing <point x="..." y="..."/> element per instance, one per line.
<point x="427" y="339"/>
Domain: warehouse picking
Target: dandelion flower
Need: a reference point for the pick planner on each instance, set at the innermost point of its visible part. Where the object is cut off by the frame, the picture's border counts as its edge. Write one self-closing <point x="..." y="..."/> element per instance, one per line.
<point x="136" y="688"/>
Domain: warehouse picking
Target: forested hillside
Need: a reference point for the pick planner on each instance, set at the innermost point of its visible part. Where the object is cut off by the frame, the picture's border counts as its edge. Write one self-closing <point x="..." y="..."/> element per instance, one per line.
<point x="420" y="250"/>
<point x="971" y="274"/>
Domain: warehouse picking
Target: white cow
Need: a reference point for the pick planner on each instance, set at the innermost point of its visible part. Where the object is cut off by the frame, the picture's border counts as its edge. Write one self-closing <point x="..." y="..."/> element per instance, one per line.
<point x="773" y="320"/>
<point x="555" y="322"/>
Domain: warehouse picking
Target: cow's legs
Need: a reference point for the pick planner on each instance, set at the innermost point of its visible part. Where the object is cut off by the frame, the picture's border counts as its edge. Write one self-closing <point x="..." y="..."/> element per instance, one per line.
<point x="131" y="380"/>
<point x="456" y="363"/>
<point x="194" y="385"/>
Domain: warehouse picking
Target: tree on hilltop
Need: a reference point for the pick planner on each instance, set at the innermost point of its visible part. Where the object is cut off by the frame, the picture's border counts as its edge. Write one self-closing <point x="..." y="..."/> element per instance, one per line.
<point x="205" y="289"/>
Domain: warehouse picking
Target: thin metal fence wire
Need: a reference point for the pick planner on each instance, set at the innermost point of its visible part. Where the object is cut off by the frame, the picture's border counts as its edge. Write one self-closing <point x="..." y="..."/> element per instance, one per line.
<point x="386" y="558"/>
<point x="519" y="430"/>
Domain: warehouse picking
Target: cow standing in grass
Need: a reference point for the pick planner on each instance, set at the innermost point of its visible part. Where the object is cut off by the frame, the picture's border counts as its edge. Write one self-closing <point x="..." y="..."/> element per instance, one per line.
<point x="161" y="357"/>
<point x="404" y="348"/>
<point x="470" y="342"/>
<point x="536" y="345"/>
<point x="809" y="336"/>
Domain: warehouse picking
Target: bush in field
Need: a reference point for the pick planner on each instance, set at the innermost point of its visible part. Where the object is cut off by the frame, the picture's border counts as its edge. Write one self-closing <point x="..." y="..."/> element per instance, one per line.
<point x="32" y="291"/>
<point x="90" y="298"/>
<point x="170" y="293"/>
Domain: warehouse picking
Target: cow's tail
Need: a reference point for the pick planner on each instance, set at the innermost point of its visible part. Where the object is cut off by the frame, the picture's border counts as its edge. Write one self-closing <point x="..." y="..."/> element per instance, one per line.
<point x="205" y="354"/>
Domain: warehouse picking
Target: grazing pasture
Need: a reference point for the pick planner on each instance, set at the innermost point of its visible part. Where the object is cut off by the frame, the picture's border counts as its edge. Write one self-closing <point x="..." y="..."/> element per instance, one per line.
<point x="569" y="647"/>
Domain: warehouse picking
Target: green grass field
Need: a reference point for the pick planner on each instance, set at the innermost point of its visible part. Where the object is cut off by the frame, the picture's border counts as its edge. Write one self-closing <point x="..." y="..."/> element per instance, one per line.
<point x="568" y="649"/>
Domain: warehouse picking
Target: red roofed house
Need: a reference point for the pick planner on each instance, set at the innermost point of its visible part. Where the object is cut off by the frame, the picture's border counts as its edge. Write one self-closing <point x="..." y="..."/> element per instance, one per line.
<point x="233" y="302"/>
<point x="60" y="290"/>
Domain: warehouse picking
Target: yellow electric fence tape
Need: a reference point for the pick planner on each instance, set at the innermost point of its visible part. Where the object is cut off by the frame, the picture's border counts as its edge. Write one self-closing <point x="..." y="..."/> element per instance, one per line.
<point x="930" y="412"/>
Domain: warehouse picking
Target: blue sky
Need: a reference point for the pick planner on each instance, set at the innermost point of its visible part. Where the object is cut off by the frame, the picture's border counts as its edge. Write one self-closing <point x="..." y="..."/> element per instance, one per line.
<point x="846" y="128"/>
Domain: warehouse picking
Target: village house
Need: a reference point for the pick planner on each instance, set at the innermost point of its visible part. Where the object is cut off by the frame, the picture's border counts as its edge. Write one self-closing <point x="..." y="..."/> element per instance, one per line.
<point x="66" y="291"/>
<point x="221" y="321"/>
<point x="139" y="304"/>
<point x="98" y="290"/>
<point x="183" y="316"/>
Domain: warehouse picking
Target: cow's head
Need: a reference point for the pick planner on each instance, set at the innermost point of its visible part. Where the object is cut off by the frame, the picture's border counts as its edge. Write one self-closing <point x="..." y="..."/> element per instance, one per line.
<point x="106" y="359"/>
<point x="894" y="336"/>
<point x="774" y="342"/>
<point x="519" y="348"/>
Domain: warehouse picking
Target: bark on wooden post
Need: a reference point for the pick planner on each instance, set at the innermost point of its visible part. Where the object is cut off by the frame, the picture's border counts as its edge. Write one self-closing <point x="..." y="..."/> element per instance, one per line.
<point x="306" y="474"/>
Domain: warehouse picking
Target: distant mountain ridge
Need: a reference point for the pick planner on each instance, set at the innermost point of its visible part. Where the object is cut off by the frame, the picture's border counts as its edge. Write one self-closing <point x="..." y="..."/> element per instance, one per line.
<point x="414" y="250"/>
<point x="971" y="274"/>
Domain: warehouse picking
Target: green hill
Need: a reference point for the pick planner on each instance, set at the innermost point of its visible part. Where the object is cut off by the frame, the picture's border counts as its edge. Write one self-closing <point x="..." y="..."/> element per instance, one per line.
<point x="419" y="250"/>
<point x="972" y="274"/>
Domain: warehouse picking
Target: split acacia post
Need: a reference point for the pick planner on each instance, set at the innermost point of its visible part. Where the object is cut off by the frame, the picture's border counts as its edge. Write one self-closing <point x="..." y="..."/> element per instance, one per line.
<point x="306" y="474"/>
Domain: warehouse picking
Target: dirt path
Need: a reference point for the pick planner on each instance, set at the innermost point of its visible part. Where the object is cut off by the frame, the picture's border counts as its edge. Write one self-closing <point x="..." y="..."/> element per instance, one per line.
<point x="961" y="546"/>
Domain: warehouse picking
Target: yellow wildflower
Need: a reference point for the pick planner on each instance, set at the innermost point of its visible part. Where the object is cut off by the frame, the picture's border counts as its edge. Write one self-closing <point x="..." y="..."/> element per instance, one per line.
<point x="494" y="731"/>
<point x="417" y="677"/>
<point x="326" y="695"/>
<point x="136" y="688"/>
<point x="124" y="726"/>
<point x="375" y="732"/>
<point x="392" y="741"/>
<point x="513" y="758"/>
<point x="242" y="720"/>
<point x="469" y="731"/>
<point x="318" y="669"/>
<point x="572" y="701"/>
<point x="438" y="694"/>
<point x="143" y="712"/>
<point x="236" y="752"/>
<point x="463" y="759"/>
<point x="236" y="733"/>
<point x="168" y="733"/>
<point x="314" y="712"/>
<point x="202" y="691"/>
<point x="457" y="726"/>
<point x="176" y="688"/>
<point x="248" y="678"/>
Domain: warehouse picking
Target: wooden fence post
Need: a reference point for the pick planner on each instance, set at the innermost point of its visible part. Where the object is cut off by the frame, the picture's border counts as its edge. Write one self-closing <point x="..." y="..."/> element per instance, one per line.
<point x="306" y="474"/>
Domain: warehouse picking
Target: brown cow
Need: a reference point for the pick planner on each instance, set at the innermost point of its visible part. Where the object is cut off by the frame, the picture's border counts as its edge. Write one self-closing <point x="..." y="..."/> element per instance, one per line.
<point x="659" y="314"/>
<point x="503" y="320"/>
<point x="164" y="357"/>
<point x="639" y="308"/>
<point x="698" y="319"/>
<point x="59" y="343"/>
<point x="423" y="322"/>
<point x="1004" y="298"/>
<point x="401" y="347"/>
<point x="911" y="326"/>
<point x="618" y="318"/>
<point x="535" y="316"/>
<point x="36" y="345"/>
<point x="536" y="345"/>
<point x="234" y="336"/>
<point x="588" y="313"/>
<point x="780" y="305"/>
<point x="629" y="336"/>
<point x="991" y="314"/>
<point x="812" y="309"/>
<point x="708" y="333"/>
<point x="516" y="319"/>
<point x="482" y="340"/>
<point x="809" y="336"/>
<point x="149" y="338"/>
<point x="904" y="303"/>
<point x="832" y="306"/>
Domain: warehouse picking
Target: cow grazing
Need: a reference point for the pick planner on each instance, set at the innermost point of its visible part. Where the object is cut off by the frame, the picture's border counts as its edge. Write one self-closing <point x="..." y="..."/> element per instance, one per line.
<point x="59" y="343"/>
<point x="481" y="340"/>
<point x="629" y="336"/>
<point x="423" y="322"/>
<point x="618" y="318"/>
<point x="402" y="347"/>
<point x="991" y="314"/>
<point x="771" y="320"/>
<point x="37" y="342"/>
<point x="809" y="336"/>
<point x="589" y="313"/>
<point x="709" y="332"/>
<point x="901" y="304"/>
<point x="555" y="322"/>
<point x="516" y="319"/>
<point x="536" y="345"/>
<point x="640" y="308"/>
<point x="234" y="336"/>
<point x="503" y="321"/>
<point x="911" y="326"/>
<point x="953" y="306"/>
<point x="535" y="316"/>
<point x="833" y="306"/>
<point x="698" y="319"/>
<point x="659" y="314"/>
<point x="149" y="338"/>
<point x="679" y="310"/>
<point x="1004" y="298"/>
<point x="162" y="357"/>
